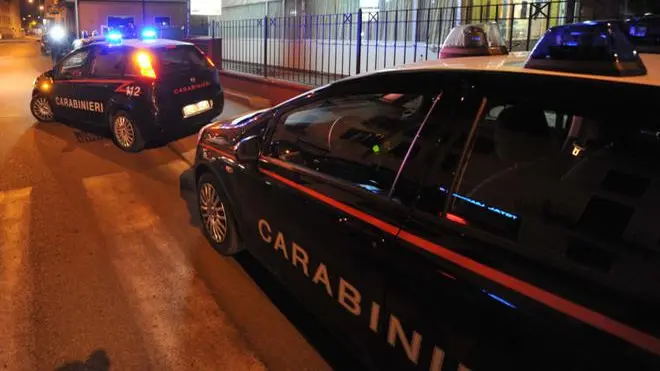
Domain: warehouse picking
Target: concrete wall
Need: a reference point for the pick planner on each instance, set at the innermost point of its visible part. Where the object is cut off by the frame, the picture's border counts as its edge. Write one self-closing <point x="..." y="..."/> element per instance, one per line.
<point x="276" y="91"/>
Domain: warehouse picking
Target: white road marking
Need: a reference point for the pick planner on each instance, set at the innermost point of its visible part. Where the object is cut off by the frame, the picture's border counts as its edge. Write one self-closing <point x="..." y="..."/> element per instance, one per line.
<point x="174" y="168"/>
<point x="170" y="304"/>
<point x="16" y="335"/>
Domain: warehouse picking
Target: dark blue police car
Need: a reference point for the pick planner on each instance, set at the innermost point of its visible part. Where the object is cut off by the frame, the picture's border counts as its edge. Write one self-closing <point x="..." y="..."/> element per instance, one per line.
<point x="492" y="213"/>
<point x="139" y="89"/>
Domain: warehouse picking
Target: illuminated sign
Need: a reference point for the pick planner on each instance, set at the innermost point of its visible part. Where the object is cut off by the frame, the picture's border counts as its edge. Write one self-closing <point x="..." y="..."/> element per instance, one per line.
<point x="205" y="7"/>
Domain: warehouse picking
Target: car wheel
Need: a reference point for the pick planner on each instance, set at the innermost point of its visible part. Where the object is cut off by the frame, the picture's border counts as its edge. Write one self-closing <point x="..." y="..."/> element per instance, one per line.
<point x="217" y="219"/>
<point x="125" y="133"/>
<point x="41" y="108"/>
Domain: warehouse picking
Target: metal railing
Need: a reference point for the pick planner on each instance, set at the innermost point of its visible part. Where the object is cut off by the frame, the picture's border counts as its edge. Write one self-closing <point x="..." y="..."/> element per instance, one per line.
<point x="317" y="49"/>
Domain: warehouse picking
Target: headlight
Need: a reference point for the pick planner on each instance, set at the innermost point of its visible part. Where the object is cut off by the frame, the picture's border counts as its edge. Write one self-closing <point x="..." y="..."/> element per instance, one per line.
<point x="57" y="33"/>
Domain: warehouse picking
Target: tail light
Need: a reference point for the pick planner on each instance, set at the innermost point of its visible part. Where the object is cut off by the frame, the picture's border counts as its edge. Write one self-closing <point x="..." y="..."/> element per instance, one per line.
<point x="143" y="61"/>
<point x="206" y="57"/>
<point x="210" y="62"/>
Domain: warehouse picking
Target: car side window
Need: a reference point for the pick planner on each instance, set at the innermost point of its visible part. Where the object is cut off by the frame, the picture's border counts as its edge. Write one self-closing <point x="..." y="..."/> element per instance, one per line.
<point x="518" y="156"/>
<point x="109" y="62"/>
<point x="574" y="185"/>
<point x="74" y="64"/>
<point x="432" y="161"/>
<point x="361" y="139"/>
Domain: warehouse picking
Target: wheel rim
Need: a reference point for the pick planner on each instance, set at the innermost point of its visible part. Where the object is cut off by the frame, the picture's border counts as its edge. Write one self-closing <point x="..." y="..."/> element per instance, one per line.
<point x="213" y="213"/>
<point x="124" y="131"/>
<point x="41" y="109"/>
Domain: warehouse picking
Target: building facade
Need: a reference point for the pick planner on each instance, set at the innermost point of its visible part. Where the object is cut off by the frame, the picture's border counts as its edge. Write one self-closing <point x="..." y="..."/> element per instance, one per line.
<point x="99" y="15"/>
<point x="243" y="9"/>
<point x="10" y="19"/>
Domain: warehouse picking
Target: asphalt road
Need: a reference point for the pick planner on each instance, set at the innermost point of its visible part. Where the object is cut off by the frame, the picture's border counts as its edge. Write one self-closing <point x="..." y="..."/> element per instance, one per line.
<point x="102" y="264"/>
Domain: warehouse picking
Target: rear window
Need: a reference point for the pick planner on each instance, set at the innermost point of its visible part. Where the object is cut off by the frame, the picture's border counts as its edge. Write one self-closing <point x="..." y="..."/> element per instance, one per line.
<point x="179" y="58"/>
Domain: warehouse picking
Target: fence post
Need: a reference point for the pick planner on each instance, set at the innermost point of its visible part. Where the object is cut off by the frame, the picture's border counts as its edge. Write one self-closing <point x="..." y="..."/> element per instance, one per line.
<point x="265" y="46"/>
<point x="358" y="50"/>
<point x="570" y="11"/>
<point x="531" y="6"/>
<point x="513" y="14"/>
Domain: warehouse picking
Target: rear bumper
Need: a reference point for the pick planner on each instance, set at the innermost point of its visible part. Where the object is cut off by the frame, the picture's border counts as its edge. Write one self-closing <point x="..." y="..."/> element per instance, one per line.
<point x="172" y="123"/>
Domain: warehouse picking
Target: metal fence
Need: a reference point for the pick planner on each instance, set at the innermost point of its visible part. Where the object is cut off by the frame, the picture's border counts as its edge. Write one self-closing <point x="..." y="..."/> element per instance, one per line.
<point x="317" y="49"/>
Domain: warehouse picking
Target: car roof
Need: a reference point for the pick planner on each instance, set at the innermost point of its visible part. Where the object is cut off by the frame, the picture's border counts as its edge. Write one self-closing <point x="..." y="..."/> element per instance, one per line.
<point x="514" y="62"/>
<point x="94" y="38"/>
<point x="147" y="44"/>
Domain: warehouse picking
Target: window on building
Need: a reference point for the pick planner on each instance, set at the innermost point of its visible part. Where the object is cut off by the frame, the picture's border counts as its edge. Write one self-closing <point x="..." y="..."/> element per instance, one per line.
<point x="123" y="24"/>
<point x="162" y="21"/>
<point x="117" y="22"/>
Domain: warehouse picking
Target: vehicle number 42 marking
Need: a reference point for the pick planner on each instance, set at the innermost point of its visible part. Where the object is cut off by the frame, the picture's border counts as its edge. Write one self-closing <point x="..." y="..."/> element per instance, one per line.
<point x="133" y="91"/>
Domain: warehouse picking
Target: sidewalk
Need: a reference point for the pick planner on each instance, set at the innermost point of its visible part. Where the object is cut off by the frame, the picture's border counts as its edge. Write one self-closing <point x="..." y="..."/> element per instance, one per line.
<point x="252" y="101"/>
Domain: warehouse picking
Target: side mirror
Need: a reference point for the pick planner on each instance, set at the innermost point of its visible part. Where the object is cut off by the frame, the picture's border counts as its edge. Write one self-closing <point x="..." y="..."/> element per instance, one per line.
<point x="248" y="149"/>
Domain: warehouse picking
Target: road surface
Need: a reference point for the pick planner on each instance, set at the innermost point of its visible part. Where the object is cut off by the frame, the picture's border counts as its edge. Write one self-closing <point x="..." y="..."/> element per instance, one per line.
<point x="102" y="264"/>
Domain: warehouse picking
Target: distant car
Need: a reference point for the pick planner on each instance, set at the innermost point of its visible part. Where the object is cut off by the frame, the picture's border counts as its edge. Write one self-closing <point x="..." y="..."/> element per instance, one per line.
<point x="44" y="45"/>
<point x="141" y="90"/>
<point x="475" y="213"/>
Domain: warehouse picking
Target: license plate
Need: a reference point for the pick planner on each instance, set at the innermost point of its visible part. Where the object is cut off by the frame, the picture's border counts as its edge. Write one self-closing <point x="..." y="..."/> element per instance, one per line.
<point x="197" y="108"/>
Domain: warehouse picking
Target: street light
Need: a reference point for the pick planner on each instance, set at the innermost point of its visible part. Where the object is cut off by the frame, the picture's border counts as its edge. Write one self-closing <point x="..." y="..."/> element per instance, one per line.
<point x="30" y="1"/>
<point x="41" y="7"/>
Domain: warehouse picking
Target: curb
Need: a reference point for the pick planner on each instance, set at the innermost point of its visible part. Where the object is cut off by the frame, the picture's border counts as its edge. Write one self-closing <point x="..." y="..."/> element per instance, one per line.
<point x="249" y="100"/>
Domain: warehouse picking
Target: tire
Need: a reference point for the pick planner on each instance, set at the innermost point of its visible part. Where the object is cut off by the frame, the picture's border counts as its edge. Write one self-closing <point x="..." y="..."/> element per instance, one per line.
<point x="41" y="108"/>
<point x="209" y="189"/>
<point x="125" y="133"/>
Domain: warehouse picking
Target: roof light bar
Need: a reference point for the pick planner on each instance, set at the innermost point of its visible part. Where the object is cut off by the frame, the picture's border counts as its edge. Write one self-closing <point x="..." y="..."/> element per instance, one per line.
<point x="114" y="37"/>
<point x="592" y="47"/>
<point x="473" y="40"/>
<point x="148" y="33"/>
<point x="644" y="32"/>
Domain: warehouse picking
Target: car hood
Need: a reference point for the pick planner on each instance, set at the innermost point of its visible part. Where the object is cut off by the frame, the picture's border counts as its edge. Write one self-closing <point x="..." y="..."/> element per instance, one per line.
<point x="233" y="129"/>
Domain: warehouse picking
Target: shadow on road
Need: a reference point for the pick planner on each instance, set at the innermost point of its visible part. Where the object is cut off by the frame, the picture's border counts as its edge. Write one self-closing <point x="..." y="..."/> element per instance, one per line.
<point x="100" y="132"/>
<point x="97" y="361"/>
<point x="318" y="336"/>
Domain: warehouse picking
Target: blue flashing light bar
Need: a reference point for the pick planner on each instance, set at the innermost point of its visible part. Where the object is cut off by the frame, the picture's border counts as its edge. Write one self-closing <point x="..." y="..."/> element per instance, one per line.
<point x="591" y="47"/>
<point x="149" y="33"/>
<point x="114" y="37"/>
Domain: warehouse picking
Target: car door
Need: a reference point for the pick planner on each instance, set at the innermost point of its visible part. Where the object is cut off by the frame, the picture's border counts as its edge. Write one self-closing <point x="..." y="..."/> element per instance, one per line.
<point x="107" y="69"/>
<point x="70" y="91"/>
<point x="319" y="206"/>
<point x="508" y="259"/>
